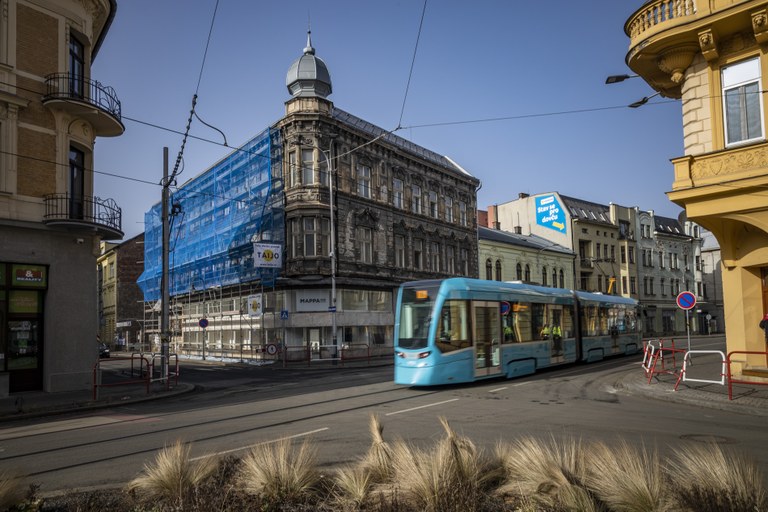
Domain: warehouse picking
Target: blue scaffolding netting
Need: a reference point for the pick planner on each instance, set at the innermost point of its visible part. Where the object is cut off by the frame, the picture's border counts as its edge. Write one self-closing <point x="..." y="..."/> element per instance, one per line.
<point x="218" y="215"/>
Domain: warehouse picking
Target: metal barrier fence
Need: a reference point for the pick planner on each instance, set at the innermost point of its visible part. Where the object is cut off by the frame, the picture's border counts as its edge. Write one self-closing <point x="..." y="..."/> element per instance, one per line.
<point x="683" y="376"/>
<point x="658" y="359"/>
<point x="139" y="368"/>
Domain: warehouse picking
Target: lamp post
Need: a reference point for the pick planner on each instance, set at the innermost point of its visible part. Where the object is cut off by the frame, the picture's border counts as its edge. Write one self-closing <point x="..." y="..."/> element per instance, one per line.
<point x="332" y="254"/>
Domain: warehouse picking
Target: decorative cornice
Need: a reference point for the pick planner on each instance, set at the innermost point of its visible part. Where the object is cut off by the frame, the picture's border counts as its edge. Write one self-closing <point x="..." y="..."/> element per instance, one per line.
<point x="708" y="45"/>
<point x="675" y="61"/>
<point x="730" y="163"/>
<point x="760" y="26"/>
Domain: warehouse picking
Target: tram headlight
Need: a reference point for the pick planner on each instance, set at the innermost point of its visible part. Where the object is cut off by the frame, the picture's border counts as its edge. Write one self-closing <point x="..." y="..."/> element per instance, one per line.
<point x="424" y="355"/>
<point x="400" y="354"/>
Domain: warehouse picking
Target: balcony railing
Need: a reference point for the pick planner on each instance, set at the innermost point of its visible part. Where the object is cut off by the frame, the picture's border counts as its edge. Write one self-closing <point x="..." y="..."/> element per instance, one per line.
<point x="92" y="213"/>
<point x="75" y="90"/>
<point x="659" y="12"/>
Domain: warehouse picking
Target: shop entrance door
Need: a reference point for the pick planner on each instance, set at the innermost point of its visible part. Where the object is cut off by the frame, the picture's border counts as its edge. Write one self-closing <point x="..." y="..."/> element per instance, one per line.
<point x="24" y="355"/>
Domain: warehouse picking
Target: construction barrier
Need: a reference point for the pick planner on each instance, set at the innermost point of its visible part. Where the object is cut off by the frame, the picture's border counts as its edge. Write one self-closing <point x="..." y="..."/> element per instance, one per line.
<point x="98" y="378"/>
<point x="657" y="358"/>
<point x="683" y="376"/>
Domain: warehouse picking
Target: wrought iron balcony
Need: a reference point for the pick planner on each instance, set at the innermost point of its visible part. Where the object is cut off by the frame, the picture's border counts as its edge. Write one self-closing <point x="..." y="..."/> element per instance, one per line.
<point x="84" y="214"/>
<point x="87" y="99"/>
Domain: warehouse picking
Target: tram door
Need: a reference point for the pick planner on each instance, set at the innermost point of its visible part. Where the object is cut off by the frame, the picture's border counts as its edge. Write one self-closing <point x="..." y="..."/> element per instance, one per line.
<point x="486" y="322"/>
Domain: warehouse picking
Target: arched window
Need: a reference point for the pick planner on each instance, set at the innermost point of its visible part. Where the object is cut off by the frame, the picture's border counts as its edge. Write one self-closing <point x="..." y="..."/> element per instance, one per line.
<point x="554" y="277"/>
<point x="488" y="269"/>
<point x="544" y="276"/>
<point x="527" y="273"/>
<point x="519" y="272"/>
<point x="498" y="270"/>
<point x="562" y="279"/>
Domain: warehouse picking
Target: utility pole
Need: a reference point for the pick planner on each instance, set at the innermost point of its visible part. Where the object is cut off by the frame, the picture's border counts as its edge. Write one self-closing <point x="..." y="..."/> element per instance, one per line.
<point x="165" y="292"/>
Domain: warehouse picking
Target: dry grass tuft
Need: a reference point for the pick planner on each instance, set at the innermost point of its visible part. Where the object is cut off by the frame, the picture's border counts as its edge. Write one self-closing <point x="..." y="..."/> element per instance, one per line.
<point x="12" y="489"/>
<point x="353" y="488"/>
<point x="172" y="476"/>
<point x="453" y="476"/>
<point x="546" y="471"/>
<point x="627" y="479"/>
<point x="280" y="472"/>
<point x="707" y="479"/>
<point x="378" y="460"/>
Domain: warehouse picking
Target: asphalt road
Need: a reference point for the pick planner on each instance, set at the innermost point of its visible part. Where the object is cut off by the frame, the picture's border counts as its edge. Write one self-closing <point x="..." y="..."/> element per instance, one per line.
<point x="240" y="407"/>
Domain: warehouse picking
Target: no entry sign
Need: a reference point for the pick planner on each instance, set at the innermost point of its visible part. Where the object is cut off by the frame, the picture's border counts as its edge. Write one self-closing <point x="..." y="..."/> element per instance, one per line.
<point x="686" y="300"/>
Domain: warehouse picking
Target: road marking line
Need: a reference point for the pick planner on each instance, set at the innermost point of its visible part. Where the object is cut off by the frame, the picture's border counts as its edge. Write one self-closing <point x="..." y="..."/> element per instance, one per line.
<point x="522" y="383"/>
<point x="497" y="389"/>
<point x="421" y="407"/>
<point x="216" y="454"/>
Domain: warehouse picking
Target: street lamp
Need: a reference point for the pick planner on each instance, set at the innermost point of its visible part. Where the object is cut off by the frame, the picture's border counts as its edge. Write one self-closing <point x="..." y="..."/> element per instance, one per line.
<point x="618" y="78"/>
<point x="640" y="103"/>
<point x="613" y="79"/>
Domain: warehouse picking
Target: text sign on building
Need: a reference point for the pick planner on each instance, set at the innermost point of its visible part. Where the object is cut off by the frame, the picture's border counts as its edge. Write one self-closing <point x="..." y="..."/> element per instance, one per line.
<point x="254" y="305"/>
<point x="267" y="255"/>
<point x="312" y="300"/>
<point x="550" y="213"/>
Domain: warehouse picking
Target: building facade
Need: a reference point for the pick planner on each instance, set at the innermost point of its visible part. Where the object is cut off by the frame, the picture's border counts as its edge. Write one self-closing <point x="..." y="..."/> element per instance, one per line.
<point x="670" y="256"/>
<point x="506" y="256"/>
<point x="354" y="211"/>
<point x="619" y="250"/>
<point x="120" y="301"/>
<point x="601" y="236"/>
<point x="51" y="111"/>
<point x="710" y="308"/>
<point x="713" y="56"/>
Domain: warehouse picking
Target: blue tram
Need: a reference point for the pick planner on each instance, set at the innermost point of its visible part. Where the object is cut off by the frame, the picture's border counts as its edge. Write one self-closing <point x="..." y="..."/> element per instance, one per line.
<point x="461" y="330"/>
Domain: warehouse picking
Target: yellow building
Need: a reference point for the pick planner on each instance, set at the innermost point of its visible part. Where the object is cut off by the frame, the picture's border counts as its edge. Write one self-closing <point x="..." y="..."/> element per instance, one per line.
<point x="711" y="55"/>
<point x="51" y="112"/>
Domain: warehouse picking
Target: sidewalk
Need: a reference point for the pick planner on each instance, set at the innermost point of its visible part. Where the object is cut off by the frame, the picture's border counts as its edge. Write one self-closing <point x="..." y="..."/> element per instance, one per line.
<point x="33" y="404"/>
<point x="749" y="399"/>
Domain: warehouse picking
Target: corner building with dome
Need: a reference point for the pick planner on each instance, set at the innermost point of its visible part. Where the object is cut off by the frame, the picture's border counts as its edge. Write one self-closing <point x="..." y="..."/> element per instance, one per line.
<point x="351" y="210"/>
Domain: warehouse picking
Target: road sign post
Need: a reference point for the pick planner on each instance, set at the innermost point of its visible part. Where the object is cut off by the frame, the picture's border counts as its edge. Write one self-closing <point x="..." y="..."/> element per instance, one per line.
<point x="687" y="301"/>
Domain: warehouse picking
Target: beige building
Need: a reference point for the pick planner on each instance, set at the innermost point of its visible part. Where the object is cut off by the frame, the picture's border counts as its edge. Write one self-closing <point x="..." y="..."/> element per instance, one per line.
<point x="51" y="223"/>
<point x="506" y="256"/>
<point x="712" y="55"/>
<point x="602" y="236"/>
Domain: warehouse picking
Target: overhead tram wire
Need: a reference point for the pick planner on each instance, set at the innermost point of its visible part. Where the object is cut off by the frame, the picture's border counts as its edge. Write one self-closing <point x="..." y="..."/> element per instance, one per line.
<point x="413" y="62"/>
<point x="192" y="113"/>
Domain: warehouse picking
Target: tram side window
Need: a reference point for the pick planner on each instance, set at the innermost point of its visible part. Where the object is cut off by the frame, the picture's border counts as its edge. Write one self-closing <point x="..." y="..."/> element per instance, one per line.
<point x="517" y="323"/>
<point x="623" y="319"/>
<point x="590" y="320"/>
<point x="453" y="331"/>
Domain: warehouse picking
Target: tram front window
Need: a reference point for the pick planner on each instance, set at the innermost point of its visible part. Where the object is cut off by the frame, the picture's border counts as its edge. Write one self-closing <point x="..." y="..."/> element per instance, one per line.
<point x="415" y="316"/>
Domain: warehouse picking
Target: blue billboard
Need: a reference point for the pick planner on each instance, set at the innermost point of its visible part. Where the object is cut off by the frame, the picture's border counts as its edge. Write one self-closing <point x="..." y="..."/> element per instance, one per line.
<point x="550" y="213"/>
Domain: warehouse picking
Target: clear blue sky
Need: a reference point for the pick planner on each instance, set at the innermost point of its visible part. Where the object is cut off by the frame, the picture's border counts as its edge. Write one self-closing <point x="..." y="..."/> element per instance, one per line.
<point x="527" y="61"/>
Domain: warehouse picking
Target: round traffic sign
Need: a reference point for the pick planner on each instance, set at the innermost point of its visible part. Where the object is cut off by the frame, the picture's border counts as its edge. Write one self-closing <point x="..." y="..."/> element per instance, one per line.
<point x="686" y="300"/>
<point x="203" y="323"/>
<point x="271" y="349"/>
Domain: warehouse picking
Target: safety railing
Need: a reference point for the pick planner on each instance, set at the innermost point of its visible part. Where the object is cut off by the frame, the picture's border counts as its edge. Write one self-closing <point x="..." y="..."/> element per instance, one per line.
<point x="658" y="359"/>
<point x="356" y="352"/>
<point x="142" y="378"/>
<point x="730" y="361"/>
<point x="683" y="376"/>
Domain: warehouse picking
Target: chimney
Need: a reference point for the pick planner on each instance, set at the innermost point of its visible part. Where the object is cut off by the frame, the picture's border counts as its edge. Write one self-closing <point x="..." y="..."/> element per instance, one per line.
<point x="495" y="212"/>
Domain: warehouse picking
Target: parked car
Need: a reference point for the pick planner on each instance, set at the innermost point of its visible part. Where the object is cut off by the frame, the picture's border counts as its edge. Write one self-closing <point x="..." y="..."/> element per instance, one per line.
<point x="103" y="350"/>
